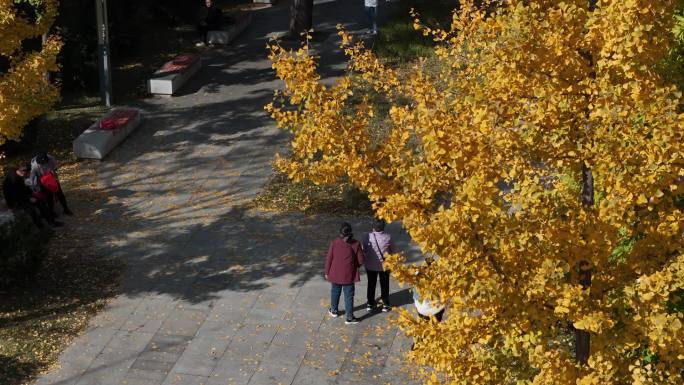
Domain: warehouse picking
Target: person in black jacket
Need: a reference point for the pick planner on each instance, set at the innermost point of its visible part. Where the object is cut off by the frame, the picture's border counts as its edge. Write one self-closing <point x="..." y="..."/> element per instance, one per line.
<point x="19" y="196"/>
<point x="208" y="19"/>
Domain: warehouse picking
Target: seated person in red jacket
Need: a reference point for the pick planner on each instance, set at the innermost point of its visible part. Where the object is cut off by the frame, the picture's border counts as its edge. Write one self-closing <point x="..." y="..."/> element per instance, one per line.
<point x="342" y="263"/>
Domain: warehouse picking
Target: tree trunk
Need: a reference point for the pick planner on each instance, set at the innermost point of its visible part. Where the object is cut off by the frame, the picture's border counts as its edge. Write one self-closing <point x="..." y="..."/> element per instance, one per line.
<point x="301" y="17"/>
<point x="43" y="40"/>
<point x="582" y="337"/>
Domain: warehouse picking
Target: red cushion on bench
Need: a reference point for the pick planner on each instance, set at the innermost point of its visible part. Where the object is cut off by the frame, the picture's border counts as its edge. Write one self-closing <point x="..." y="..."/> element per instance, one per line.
<point x="179" y="64"/>
<point x="184" y="60"/>
<point x="118" y="118"/>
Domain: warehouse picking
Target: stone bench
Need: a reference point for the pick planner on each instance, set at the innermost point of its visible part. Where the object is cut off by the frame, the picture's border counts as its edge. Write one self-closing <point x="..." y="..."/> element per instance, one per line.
<point x="232" y="31"/>
<point x="6" y="215"/>
<point x="106" y="133"/>
<point x="173" y="74"/>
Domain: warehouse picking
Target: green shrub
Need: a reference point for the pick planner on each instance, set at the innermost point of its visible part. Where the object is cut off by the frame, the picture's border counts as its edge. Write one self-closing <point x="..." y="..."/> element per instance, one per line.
<point x="24" y="248"/>
<point x="673" y="66"/>
<point x="398" y="40"/>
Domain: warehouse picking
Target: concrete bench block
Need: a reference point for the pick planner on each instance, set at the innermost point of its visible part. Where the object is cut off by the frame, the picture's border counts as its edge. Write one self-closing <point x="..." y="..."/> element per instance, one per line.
<point x="96" y="143"/>
<point x="173" y="74"/>
<point x="6" y="215"/>
<point x="231" y="32"/>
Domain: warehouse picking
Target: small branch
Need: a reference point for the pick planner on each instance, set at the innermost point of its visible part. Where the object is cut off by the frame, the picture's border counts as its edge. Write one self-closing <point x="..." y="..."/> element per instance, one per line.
<point x="587" y="186"/>
<point x="495" y="265"/>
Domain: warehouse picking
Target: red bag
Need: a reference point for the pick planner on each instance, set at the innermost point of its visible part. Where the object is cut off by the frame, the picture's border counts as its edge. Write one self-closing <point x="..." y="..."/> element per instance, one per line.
<point x="49" y="182"/>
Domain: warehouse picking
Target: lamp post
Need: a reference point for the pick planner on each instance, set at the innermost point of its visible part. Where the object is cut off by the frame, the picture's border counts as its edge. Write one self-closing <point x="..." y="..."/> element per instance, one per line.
<point x="104" y="64"/>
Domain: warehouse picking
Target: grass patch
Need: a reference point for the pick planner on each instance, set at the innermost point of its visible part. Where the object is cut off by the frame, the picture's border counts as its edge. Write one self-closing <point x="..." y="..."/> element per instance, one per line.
<point x="398" y="41"/>
<point x="54" y="133"/>
<point x="39" y="318"/>
<point x="284" y="195"/>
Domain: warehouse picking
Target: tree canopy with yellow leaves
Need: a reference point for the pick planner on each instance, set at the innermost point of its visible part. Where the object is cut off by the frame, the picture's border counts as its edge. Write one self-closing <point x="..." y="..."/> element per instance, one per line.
<point x="25" y="91"/>
<point x="542" y="161"/>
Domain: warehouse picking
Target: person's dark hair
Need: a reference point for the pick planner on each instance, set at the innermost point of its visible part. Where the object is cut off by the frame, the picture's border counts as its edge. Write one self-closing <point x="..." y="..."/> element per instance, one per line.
<point x="42" y="158"/>
<point x="346" y="230"/>
<point x="378" y="225"/>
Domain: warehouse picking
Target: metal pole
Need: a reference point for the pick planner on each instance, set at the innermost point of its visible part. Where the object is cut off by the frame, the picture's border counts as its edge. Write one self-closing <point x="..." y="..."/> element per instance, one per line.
<point x="103" y="52"/>
<point x="43" y="40"/>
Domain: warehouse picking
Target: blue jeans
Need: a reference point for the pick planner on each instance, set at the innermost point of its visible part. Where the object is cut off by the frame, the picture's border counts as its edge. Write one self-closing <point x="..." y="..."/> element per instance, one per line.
<point x="336" y="291"/>
<point x="372" y="13"/>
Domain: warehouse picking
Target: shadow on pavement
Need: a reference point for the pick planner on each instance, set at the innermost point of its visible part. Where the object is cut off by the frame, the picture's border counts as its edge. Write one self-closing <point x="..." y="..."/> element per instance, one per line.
<point x="176" y="193"/>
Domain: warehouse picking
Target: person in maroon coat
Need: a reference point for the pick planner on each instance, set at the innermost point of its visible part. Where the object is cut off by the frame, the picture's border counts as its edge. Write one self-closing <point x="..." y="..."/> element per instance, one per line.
<point x="342" y="263"/>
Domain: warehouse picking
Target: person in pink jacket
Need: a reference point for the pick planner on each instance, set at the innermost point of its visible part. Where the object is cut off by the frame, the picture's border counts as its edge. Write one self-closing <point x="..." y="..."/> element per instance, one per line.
<point x="342" y="263"/>
<point x="376" y="245"/>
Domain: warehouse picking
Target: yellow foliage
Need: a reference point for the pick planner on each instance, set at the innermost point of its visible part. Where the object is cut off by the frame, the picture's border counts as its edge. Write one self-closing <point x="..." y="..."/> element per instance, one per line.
<point x="25" y="92"/>
<point x="483" y="165"/>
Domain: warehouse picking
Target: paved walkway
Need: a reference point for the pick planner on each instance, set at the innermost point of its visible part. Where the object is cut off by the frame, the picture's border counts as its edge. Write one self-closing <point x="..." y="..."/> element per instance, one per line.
<point x="216" y="294"/>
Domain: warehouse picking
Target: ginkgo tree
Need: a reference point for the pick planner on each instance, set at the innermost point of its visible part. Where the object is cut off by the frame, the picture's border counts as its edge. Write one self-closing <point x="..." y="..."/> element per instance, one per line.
<point x="542" y="161"/>
<point x="25" y="91"/>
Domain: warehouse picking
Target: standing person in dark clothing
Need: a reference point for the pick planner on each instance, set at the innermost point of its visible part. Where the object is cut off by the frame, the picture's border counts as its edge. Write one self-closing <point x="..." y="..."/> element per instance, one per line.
<point x="41" y="165"/>
<point x="19" y="196"/>
<point x="342" y="263"/>
<point x="375" y="246"/>
<point x="372" y="13"/>
<point x="208" y="19"/>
